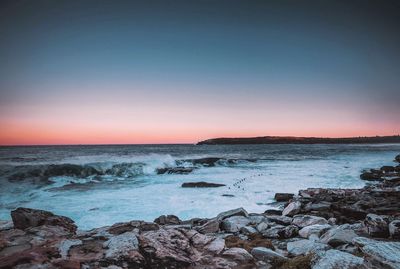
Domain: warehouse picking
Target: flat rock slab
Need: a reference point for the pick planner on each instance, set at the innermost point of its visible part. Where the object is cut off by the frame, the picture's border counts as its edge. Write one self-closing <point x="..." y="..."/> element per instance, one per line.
<point x="383" y="253"/>
<point x="201" y="184"/>
<point x="334" y="259"/>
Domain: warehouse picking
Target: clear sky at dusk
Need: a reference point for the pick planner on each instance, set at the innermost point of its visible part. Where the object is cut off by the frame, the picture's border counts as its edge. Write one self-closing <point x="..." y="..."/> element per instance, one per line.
<point x="90" y="72"/>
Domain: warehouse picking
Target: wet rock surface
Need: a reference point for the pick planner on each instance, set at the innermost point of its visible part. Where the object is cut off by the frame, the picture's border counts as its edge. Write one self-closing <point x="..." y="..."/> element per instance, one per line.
<point x="318" y="228"/>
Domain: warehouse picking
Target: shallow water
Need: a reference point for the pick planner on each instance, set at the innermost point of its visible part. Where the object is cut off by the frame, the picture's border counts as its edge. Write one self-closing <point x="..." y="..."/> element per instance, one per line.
<point x="129" y="188"/>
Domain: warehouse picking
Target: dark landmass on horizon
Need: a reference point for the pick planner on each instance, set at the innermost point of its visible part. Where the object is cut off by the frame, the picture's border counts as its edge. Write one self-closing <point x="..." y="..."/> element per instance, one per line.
<point x="300" y="140"/>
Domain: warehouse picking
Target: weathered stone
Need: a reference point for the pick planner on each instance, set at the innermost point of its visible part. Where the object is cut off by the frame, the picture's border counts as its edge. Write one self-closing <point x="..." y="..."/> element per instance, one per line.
<point x="66" y="244"/>
<point x="334" y="259"/>
<point x="315" y="229"/>
<point x="262" y="226"/>
<point x="282" y="220"/>
<point x="273" y="232"/>
<point x="267" y="255"/>
<point x="211" y="226"/>
<point x="234" y="212"/>
<point x="248" y="230"/>
<point x="289" y="232"/>
<point x="201" y="184"/>
<point x="6" y="225"/>
<point x="238" y="254"/>
<point x="292" y="209"/>
<point x="383" y="254"/>
<point x="283" y="197"/>
<point x="321" y="206"/>
<point x="376" y="226"/>
<point x="304" y="246"/>
<point x="234" y="224"/>
<point x="307" y="220"/>
<point x="338" y="236"/>
<point x="394" y="229"/>
<point x="26" y="217"/>
<point x="397" y="158"/>
<point x="121" y="245"/>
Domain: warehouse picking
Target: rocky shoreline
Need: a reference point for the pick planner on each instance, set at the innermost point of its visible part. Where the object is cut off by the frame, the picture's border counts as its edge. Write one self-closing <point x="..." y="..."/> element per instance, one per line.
<point x="317" y="228"/>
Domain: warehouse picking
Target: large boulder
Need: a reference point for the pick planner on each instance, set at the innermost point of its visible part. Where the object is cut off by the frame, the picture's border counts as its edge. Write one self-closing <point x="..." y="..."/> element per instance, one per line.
<point x="315" y="229"/>
<point x="307" y="220"/>
<point x="376" y="226"/>
<point x="211" y="226"/>
<point x="283" y="197"/>
<point x="267" y="255"/>
<point x="122" y="245"/>
<point x="24" y="218"/>
<point x="292" y="209"/>
<point x="230" y="213"/>
<point x="304" y="247"/>
<point x="282" y="220"/>
<point x="339" y="235"/>
<point x="383" y="254"/>
<point x="334" y="259"/>
<point x="234" y="224"/>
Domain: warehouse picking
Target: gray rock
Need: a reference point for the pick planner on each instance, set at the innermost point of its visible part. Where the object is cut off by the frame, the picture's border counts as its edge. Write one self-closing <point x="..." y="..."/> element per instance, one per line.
<point x="383" y="254"/>
<point x="6" y="225"/>
<point x="274" y="231"/>
<point x="339" y="235"/>
<point x="267" y="255"/>
<point x="321" y="206"/>
<point x="66" y="244"/>
<point x="334" y="259"/>
<point x="289" y="231"/>
<point x="238" y="254"/>
<point x="292" y="209"/>
<point x="234" y="224"/>
<point x="234" y="212"/>
<point x="304" y="246"/>
<point x="362" y="241"/>
<point x="394" y="229"/>
<point x="282" y="220"/>
<point x="256" y="219"/>
<point x="376" y="226"/>
<point x="248" y="230"/>
<point x="315" y="229"/>
<point x="121" y="245"/>
<point x="307" y="220"/>
<point x="211" y="226"/>
<point x="262" y="226"/>
<point x="283" y="197"/>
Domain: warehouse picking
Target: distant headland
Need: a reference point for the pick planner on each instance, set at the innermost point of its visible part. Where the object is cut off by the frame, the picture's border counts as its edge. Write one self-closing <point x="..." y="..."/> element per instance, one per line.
<point x="300" y="140"/>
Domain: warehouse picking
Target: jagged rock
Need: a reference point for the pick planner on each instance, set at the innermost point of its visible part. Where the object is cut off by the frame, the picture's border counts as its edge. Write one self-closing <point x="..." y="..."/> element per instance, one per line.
<point x="256" y="219"/>
<point x="282" y="220"/>
<point x="338" y="236"/>
<point x="333" y="259"/>
<point x="6" y="225"/>
<point x="211" y="226"/>
<point x="238" y="254"/>
<point x="307" y="220"/>
<point x="304" y="246"/>
<point x="283" y="197"/>
<point x="201" y="184"/>
<point x="273" y="232"/>
<point x="66" y="244"/>
<point x="24" y="218"/>
<point x="371" y="176"/>
<point x="234" y="224"/>
<point x="292" y="209"/>
<point x="383" y="254"/>
<point x="262" y="226"/>
<point x="121" y="245"/>
<point x="167" y="220"/>
<point x="315" y="229"/>
<point x="230" y="213"/>
<point x="394" y="229"/>
<point x="267" y="255"/>
<point x="376" y="226"/>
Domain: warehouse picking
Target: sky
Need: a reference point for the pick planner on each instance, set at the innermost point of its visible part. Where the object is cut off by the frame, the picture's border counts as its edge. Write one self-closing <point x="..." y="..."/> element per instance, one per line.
<point x="105" y="72"/>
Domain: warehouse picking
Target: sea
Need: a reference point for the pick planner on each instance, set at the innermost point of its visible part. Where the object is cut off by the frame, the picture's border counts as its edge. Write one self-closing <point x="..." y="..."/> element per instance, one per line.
<point x="99" y="185"/>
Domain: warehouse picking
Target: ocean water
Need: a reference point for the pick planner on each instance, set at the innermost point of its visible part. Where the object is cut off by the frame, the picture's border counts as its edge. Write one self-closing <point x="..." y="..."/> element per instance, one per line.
<point x="120" y="182"/>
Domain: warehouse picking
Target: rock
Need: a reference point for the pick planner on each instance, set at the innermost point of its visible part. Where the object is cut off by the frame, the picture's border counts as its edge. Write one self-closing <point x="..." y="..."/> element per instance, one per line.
<point x="273" y="212"/>
<point x="307" y="220"/>
<point x="238" y="254"/>
<point x="321" y="206"/>
<point x="362" y="241"/>
<point x="267" y="255"/>
<point x="282" y="220"/>
<point x="234" y="224"/>
<point x="289" y="232"/>
<point x="394" y="229"/>
<point x="216" y="246"/>
<point x="211" y="226"/>
<point x="274" y="231"/>
<point x="397" y="158"/>
<point x="167" y="220"/>
<point x="304" y="247"/>
<point x="248" y="230"/>
<point x="234" y="212"/>
<point x="6" y="225"/>
<point x="283" y="197"/>
<point x="121" y="245"/>
<point x="175" y="170"/>
<point x="262" y="226"/>
<point x="333" y="259"/>
<point x="292" y="209"/>
<point x="376" y="226"/>
<point x="256" y="219"/>
<point x="201" y="184"/>
<point x="338" y="236"/>
<point x="383" y="254"/>
<point x="370" y="176"/>
<point x="24" y="218"/>
<point x="387" y="169"/>
<point x="66" y="244"/>
<point x="315" y="229"/>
